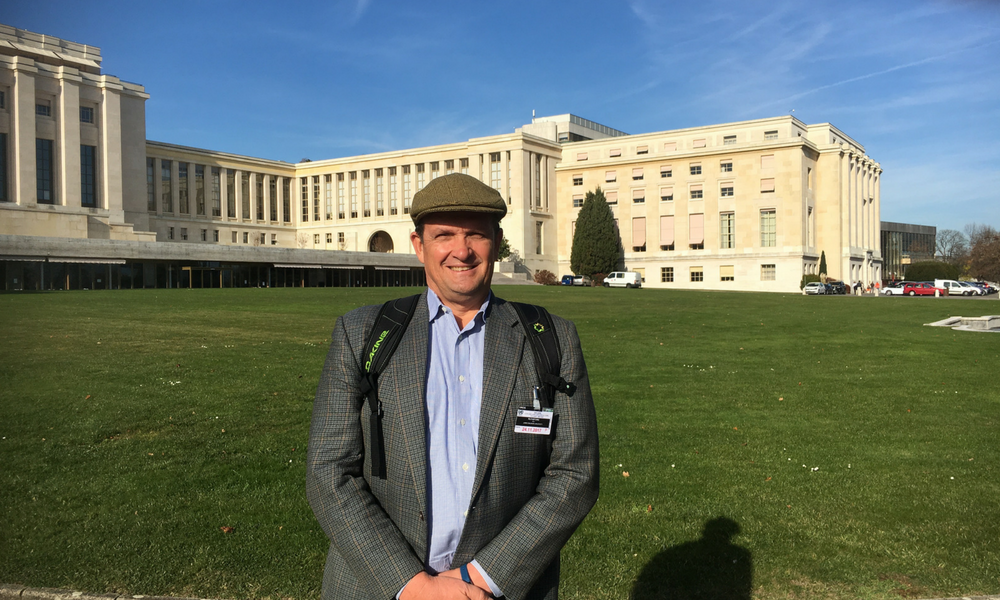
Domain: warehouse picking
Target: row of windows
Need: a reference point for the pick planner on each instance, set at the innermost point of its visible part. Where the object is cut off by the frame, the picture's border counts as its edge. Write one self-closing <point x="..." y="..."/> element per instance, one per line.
<point x="43" y="108"/>
<point x="696" y="231"/>
<point x="208" y="194"/>
<point x="181" y="233"/>
<point x="45" y="172"/>
<point x="695" y="192"/>
<point x="768" y="272"/>
<point x="643" y="149"/>
<point x="667" y="171"/>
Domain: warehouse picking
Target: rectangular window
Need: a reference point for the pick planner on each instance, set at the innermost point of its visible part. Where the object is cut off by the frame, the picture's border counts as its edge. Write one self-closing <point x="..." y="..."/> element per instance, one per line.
<point x="726" y="166"/>
<point x="245" y="194"/>
<point x="639" y="234"/>
<point x="771" y="135"/>
<point x="151" y="184"/>
<point x="666" y="172"/>
<point x="698" y="143"/>
<point x="578" y="180"/>
<point x="727" y="273"/>
<point x="184" y="234"/>
<point x="729" y="140"/>
<point x="3" y="99"/>
<point x="231" y="194"/>
<point x="669" y="146"/>
<point x="726" y="190"/>
<point x="666" y="274"/>
<point x="538" y="237"/>
<point x="328" y="197"/>
<point x="581" y="156"/>
<point x="329" y="238"/>
<point x="246" y="237"/>
<point x="86" y="114"/>
<point x="696" y="169"/>
<point x="380" y="194"/>
<point x="274" y="239"/>
<point x="767" y="161"/>
<point x="642" y="149"/>
<point x="666" y="194"/>
<point x="611" y="176"/>
<point x="421" y="181"/>
<point x="697" y="274"/>
<point x="768" y="272"/>
<point x="43" y="108"/>
<point x="304" y="197"/>
<point x="449" y="167"/>
<point x="577" y="200"/>
<point x="88" y="176"/>
<point x="273" y="197"/>
<point x="727" y="230"/>
<point x="235" y="239"/>
<point x="638" y="196"/>
<point x="340" y="196"/>
<point x="696" y="192"/>
<point x="696" y="231"/>
<point x="463" y="163"/>
<point x="615" y="152"/>
<point x="436" y="169"/>
<point x="199" y="189"/>
<point x="182" y="188"/>
<point x="353" y="178"/>
<point x="637" y="174"/>
<point x="286" y="199"/>
<point x="204" y="235"/>
<point x="215" y="235"/>
<point x="170" y="233"/>
<point x="316" y="212"/>
<point x="43" y="171"/>
<point x="366" y="191"/>
<point x="341" y="240"/>
<point x="495" y="170"/>
<point x="407" y="195"/>
<point x="767" y="186"/>
<point x="768" y="228"/>
<point x="666" y="232"/>
<point x="166" y="188"/>
<point x="611" y="197"/>
<point x="316" y="239"/>
<point x="393" y="209"/>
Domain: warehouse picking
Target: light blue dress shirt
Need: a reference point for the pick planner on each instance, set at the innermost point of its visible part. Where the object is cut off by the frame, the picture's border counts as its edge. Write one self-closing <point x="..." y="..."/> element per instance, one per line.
<point x="453" y="402"/>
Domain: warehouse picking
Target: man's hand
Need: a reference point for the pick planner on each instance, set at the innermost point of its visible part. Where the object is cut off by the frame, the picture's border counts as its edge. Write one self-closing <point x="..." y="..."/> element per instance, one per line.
<point x="424" y="585"/>
<point x="474" y="575"/>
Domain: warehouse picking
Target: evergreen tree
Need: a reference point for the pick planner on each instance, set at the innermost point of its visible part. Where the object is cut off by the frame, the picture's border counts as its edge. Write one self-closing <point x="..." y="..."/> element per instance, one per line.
<point x="822" y="263"/>
<point x="504" y="251"/>
<point x="595" y="242"/>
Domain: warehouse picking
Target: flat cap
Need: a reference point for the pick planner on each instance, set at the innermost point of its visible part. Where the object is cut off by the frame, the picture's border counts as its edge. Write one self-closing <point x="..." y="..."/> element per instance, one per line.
<point x="454" y="193"/>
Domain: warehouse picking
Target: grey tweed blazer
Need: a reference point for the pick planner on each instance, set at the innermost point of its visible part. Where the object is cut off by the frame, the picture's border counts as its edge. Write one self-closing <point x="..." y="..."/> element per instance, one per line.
<point x="530" y="491"/>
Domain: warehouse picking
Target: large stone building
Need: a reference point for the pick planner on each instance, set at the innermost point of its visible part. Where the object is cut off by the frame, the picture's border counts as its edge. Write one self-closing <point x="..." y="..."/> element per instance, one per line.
<point x="87" y="201"/>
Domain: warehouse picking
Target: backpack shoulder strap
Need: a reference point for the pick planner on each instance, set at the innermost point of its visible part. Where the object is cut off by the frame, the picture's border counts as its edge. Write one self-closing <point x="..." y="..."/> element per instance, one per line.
<point x="383" y="339"/>
<point x="541" y="334"/>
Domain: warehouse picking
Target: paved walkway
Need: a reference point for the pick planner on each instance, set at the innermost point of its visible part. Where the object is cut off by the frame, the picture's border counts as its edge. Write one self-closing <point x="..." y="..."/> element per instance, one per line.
<point x="19" y="592"/>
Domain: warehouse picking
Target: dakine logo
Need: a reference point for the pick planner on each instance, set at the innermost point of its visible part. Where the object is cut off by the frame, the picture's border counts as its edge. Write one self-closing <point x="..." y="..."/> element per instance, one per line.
<point x="539" y="327"/>
<point x="371" y="355"/>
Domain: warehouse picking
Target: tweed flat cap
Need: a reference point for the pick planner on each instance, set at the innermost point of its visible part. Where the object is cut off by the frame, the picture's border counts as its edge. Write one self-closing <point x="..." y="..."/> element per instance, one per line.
<point x="454" y="193"/>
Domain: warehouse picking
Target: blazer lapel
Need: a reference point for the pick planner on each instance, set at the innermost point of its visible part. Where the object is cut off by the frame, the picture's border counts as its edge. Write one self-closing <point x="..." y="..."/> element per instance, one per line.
<point x="502" y="352"/>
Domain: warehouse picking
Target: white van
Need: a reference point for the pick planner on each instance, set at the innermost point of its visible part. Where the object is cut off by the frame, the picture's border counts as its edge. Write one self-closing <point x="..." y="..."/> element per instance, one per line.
<point x="627" y="279"/>
<point x="957" y="288"/>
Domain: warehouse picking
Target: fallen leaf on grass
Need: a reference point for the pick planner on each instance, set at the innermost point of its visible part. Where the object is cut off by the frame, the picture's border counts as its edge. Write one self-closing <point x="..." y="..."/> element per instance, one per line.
<point x="768" y="479"/>
<point x="649" y="508"/>
<point x="625" y="474"/>
<point x="226" y="529"/>
<point x="88" y="397"/>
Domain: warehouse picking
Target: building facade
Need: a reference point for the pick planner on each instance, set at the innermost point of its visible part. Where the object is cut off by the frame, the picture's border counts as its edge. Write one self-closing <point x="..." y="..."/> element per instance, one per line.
<point x="904" y="244"/>
<point x="742" y="206"/>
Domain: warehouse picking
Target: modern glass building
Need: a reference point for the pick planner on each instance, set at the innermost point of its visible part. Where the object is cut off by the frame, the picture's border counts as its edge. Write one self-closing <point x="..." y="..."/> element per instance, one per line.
<point x="904" y="244"/>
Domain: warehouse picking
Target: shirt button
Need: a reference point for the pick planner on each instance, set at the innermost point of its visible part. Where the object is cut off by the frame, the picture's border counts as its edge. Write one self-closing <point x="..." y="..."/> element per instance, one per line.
<point x="465" y="514"/>
<point x="465" y="467"/>
<point x="462" y="422"/>
<point x="461" y="378"/>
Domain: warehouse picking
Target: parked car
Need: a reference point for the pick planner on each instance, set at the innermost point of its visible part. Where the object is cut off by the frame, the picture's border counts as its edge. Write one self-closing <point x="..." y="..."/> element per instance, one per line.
<point x="957" y="288"/>
<point x="836" y="287"/>
<point x="895" y="289"/>
<point x="923" y="288"/>
<point x="581" y="280"/>
<point x="814" y="288"/>
<point x="626" y="279"/>
<point x="566" y="280"/>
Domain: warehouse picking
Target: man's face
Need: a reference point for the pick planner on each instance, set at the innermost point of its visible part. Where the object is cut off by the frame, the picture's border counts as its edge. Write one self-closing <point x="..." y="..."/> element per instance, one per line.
<point x="458" y="250"/>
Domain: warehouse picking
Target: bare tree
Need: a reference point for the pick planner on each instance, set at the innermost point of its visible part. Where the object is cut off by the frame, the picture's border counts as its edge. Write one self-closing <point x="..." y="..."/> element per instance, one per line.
<point x="952" y="246"/>
<point x="984" y="257"/>
<point x="977" y="233"/>
<point x="302" y="240"/>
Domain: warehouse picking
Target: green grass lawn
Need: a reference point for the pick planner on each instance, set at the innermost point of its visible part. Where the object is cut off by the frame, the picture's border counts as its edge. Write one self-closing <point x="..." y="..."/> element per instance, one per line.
<point x="855" y="450"/>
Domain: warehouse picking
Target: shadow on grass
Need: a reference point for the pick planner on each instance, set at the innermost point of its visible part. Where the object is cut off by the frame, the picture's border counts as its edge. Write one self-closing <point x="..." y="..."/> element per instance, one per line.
<point x="711" y="568"/>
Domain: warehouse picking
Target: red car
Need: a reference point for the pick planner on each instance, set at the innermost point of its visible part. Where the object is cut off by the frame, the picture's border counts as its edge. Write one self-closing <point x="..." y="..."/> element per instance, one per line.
<point x="923" y="289"/>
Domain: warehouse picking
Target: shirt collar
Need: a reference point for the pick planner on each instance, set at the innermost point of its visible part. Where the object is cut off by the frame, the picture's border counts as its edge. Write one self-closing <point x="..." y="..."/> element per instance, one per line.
<point x="435" y="308"/>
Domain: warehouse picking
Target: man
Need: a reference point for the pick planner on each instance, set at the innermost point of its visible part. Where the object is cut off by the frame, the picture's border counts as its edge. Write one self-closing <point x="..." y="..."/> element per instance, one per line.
<point x="468" y="507"/>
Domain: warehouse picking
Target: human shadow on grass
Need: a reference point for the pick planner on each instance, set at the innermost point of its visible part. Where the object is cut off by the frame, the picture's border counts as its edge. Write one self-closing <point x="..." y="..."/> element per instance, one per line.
<point x="711" y="568"/>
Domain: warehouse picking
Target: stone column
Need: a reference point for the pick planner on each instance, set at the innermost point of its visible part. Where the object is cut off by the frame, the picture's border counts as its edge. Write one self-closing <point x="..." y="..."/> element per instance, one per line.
<point x="67" y="114"/>
<point x="504" y="176"/>
<point x="110" y="128"/>
<point x="23" y="130"/>
<point x="238" y="192"/>
<point x="253" y="198"/>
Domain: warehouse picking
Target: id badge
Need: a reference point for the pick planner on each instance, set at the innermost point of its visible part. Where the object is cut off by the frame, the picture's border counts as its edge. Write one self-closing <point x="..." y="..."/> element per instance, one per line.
<point x="529" y="420"/>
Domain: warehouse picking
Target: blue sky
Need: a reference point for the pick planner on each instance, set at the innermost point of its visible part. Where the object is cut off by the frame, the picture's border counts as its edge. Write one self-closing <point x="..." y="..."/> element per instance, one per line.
<point x="916" y="82"/>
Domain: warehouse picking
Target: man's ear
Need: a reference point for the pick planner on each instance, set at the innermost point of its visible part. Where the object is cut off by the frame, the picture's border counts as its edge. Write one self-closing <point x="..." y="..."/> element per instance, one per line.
<point x="418" y="245"/>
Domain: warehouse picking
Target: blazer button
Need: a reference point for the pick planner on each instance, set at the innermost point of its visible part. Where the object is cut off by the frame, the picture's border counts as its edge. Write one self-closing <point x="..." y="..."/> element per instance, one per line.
<point x="421" y="513"/>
